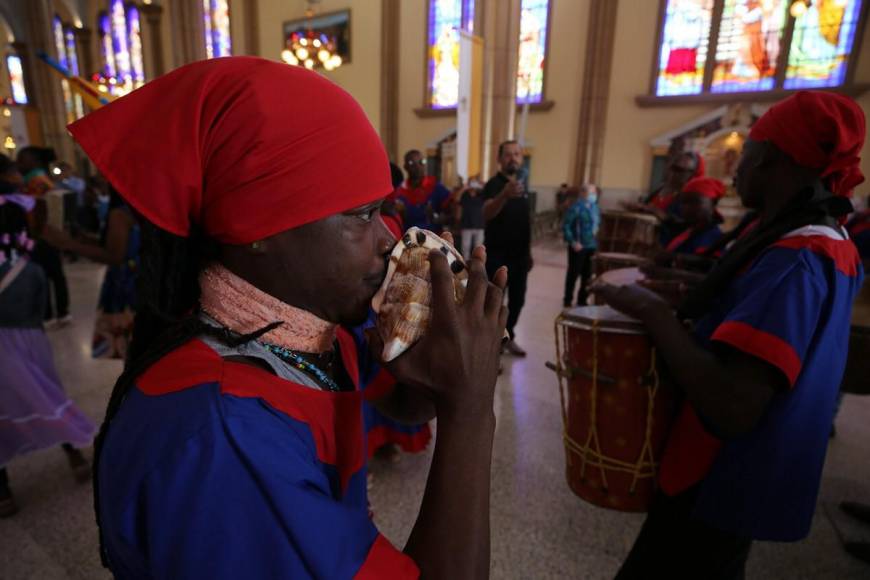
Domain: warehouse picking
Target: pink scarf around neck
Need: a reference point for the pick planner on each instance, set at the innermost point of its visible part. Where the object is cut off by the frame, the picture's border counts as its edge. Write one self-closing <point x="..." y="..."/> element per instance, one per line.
<point x="239" y="306"/>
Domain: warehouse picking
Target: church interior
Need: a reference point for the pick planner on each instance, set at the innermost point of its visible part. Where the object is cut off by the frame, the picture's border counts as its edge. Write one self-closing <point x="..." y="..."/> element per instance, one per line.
<point x="599" y="98"/>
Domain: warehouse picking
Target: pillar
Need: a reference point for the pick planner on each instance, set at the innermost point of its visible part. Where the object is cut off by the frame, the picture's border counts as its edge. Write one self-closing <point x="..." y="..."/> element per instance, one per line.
<point x="390" y="77"/>
<point x="155" y="63"/>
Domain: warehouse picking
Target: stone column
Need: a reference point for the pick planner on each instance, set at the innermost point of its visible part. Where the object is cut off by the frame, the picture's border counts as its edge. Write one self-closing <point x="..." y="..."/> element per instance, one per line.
<point x="390" y="77"/>
<point x="600" y="33"/>
<point x="45" y="89"/>
<point x="188" y="34"/>
<point x="500" y="28"/>
<point x="87" y="56"/>
<point x="252" y="27"/>
<point x="155" y="64"/>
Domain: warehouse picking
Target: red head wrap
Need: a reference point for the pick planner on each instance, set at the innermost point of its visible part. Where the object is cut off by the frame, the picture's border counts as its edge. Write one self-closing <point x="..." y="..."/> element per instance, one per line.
<point x="823" y="131"/>
<point x="706" y="186"/>
<point x="243" y="147"/>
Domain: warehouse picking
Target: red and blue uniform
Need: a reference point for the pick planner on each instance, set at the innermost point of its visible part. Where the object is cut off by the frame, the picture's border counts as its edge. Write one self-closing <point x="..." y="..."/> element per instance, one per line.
<point x="791" y="308"/>
<point x="417" y="200"/>
<point x="217" y="469"/>
<point x="694" y="241"/>
<point x="377" y="382"/>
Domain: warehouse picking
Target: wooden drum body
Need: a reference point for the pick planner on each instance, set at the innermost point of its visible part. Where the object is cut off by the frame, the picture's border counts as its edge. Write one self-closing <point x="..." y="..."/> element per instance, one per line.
<point x="616" y="408"/>
<point x="628" y="233"/>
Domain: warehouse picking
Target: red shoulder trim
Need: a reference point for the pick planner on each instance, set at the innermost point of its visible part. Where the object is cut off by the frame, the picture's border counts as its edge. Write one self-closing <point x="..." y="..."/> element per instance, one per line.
<point x="842" y="252"/>
<point x="385" y="561"/>
<point x="194" y="363"/>
<point x="678" y="241"/>
<point x="689" y="453"/>
<point x="335" y="419"/>
<point x="349" y="355"/>
<point x="763" y="345"/>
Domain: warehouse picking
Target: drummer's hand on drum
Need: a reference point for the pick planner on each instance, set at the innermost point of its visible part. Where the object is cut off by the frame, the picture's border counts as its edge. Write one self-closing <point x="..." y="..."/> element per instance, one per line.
<point x="456" y="362"/>
<point x="633" y="300"/>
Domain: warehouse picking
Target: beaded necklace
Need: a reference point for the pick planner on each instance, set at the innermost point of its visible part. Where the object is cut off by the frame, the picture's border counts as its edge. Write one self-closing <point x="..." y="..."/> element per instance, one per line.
<point x="294" y="359"/>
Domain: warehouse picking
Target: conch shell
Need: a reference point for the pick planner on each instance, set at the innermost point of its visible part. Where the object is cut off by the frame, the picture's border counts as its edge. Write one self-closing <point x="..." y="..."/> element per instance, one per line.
<point x="404" y="300"/>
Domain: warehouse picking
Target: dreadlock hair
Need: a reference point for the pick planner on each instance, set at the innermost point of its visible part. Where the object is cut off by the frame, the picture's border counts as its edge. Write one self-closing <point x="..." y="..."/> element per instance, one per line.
<point x="15" y="240"/>
<point x="167" y="317"/>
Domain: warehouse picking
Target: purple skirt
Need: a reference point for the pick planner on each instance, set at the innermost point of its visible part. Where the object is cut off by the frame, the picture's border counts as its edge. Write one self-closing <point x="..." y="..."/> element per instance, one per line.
<point x="35" y="413"/>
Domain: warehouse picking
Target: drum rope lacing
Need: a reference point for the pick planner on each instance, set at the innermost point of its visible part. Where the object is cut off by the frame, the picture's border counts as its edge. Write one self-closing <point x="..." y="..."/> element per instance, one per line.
<point x="645" y="466"/>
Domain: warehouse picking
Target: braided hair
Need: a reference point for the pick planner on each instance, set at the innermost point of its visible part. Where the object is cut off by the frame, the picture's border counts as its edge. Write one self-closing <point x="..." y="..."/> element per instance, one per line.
<point x="167" y="317"/>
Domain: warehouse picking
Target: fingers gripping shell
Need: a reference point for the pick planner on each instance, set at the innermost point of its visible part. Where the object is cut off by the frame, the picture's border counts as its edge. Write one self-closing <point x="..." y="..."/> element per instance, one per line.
<point x="404" y="301"/>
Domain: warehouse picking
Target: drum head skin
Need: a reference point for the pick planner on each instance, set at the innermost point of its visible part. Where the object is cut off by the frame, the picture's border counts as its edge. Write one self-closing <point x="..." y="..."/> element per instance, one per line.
<point x="604" y="317"/>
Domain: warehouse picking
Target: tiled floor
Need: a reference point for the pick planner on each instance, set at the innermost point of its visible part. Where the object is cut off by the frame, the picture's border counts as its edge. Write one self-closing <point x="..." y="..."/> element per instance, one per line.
<point x="540" y="529"/>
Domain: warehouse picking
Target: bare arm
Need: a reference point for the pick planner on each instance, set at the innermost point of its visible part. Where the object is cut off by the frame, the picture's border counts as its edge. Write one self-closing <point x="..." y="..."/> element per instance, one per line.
<point x="730" y="389"/>
<point x="112" y="253"/>
<point x="451" y="538"/>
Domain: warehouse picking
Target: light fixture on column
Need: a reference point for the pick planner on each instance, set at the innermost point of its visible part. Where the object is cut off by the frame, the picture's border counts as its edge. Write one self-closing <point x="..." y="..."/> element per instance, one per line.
<point x="309" y="49"/>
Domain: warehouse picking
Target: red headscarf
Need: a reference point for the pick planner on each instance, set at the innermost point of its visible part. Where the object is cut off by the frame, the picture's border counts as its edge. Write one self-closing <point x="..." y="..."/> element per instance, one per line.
<point x="823" y="131"/>
<point x="706" y="186"/>
<point x="243" y="147"/>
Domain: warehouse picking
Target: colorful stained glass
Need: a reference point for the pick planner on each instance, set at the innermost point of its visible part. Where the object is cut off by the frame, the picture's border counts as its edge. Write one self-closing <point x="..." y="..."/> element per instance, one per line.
<point x="532" y="51"/>
<point x="107" y="51"/>
<point x="134" y="41"/>
<point x="73" y="60"/>
<point x="445" y="20"/>
<point x="71" y="51"/>
<point x="60" y="47"/>
<point x="750" y="34"/>
<point x="216" y="25"/>
<point x="16" y="79"/>
<point x="683" y="51"/>
<point x="823" y="38"/>
<point x="119" y="45"/>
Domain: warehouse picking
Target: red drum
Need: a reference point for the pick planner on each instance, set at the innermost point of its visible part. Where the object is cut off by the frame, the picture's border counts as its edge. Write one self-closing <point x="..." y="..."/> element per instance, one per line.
<point x="629" y="233"/>
<point x="606" y="261"/>
<point x="617" y="409"/>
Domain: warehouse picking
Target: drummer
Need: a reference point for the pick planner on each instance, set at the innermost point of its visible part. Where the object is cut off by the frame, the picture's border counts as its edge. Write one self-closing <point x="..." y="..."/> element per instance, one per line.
<point x="697" y="206"/>
<point x="760" y="371"/>
<point x="661" y="202"/>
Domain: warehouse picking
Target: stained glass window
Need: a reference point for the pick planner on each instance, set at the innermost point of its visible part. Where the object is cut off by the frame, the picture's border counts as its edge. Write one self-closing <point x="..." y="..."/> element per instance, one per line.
<point x="683" y="51"/>
<point x="73" y="60"/>
<point x="216" y="26"/>
<point x="749" y="45"/>
<point x="60" y="47"/>
<point x="823" y="38"/>
<point x="106" y="49"/>
<point x="750" y="33"/>
<point x="532" y="51"/>
<point x="446" y="18"/>
<point x="120" y="37"/>
<point x="134" y="38"/>
<point x="16" y="78"/>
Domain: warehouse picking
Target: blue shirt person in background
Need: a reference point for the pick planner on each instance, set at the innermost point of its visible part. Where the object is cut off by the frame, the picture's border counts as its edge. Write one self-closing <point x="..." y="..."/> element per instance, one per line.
<point x="580" y="230"/>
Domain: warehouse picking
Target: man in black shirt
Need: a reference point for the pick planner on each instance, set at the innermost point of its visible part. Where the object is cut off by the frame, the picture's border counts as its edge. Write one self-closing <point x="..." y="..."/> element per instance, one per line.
<point x="508" y="237"/>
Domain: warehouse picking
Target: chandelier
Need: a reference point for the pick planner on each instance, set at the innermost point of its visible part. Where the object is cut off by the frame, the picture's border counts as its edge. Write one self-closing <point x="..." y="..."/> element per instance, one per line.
<point x="309" y="49"/>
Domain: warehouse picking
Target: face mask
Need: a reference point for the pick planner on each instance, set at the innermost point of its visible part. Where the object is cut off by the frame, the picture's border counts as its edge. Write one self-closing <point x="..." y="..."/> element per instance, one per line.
<point x="593" y="197"/>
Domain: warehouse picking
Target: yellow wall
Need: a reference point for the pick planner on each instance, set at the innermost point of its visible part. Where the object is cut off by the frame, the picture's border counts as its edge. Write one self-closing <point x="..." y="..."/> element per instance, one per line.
<point x="551" y="133"/>
<point x="626" y="162"/>
<point x="862" y="75"/>
<point x="362" y="76"/>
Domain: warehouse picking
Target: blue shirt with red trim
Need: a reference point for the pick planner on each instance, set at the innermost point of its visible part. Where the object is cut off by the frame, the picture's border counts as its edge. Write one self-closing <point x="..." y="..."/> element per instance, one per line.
<point x="695" y="241"/>
<point x="217" y="469"/>
<point x="417" y="200"/>
<point x="376" y="382"/>
<point x="790" y="308"/>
